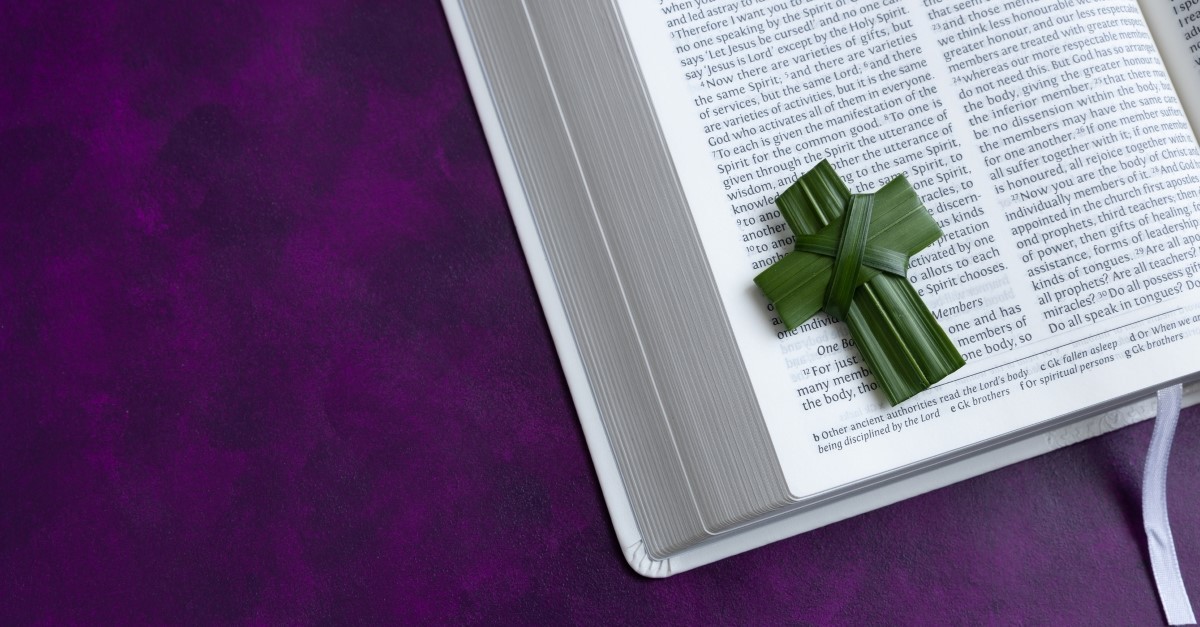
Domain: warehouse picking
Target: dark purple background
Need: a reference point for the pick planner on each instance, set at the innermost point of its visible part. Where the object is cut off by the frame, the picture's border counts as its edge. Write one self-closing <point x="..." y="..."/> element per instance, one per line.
<point x="269" y="351"/>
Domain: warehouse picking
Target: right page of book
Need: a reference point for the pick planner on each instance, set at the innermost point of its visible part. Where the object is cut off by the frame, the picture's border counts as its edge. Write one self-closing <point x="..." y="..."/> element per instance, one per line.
<point x="1044" y="136"/>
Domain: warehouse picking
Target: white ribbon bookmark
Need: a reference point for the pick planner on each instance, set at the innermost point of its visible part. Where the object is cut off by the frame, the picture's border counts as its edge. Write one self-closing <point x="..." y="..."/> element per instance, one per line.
<point x="1163" y="561"/>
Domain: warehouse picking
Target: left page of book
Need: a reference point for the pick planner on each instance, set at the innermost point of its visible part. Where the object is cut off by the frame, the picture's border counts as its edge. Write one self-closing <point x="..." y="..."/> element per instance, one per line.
<point x="1044" y="136"/>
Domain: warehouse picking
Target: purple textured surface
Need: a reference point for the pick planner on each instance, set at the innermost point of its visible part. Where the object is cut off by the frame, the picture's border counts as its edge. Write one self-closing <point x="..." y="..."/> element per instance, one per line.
<point x="233" y="388"/>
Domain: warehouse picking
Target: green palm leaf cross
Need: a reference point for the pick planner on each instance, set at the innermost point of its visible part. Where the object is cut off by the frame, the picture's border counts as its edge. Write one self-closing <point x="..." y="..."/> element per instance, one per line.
<point x="851" y="258"/>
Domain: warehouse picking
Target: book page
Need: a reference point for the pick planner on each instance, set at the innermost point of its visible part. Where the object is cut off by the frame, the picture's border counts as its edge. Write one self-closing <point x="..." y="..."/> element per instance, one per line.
<point x="1175" y="25"/>
<point x="1045" y="138"/>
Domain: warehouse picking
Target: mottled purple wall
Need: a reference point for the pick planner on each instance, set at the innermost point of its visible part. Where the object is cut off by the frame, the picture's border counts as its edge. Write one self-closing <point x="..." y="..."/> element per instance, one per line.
<point x="269" y="352"/>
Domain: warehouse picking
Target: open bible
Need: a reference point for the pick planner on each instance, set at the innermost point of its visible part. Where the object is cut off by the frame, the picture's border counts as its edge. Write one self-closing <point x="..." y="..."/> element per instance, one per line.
<point x="642" y="145"/>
